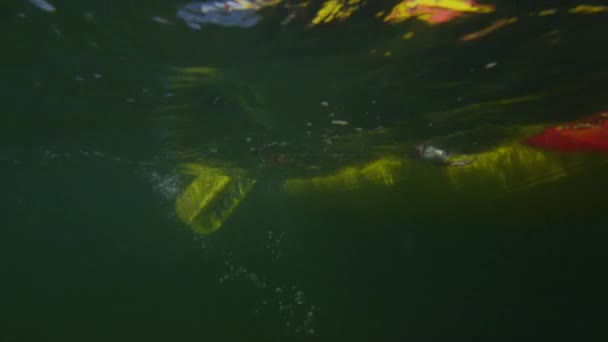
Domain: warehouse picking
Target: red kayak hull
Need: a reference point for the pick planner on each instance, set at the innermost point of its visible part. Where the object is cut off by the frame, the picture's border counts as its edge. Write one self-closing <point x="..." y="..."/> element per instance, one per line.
<point x="590" y="134"/>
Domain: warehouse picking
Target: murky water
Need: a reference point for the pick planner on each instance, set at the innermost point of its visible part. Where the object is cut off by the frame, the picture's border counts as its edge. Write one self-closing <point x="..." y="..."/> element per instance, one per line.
<point x="169" y="178"/>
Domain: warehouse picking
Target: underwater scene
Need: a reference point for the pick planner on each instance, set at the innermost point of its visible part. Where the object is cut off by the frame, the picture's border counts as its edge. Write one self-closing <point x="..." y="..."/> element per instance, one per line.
<point x="303" y="170"/>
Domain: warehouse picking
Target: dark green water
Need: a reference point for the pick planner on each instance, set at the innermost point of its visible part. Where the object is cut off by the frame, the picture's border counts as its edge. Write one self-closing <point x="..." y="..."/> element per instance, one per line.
<point x="93" y="133"/>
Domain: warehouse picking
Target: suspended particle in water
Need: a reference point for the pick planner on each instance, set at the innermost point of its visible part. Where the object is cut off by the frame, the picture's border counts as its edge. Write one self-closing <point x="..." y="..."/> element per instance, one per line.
<point x="288" y="19"/>
<point x="339" y="122"/>
<point x="88" y="16"/>
<point x="161" y="20"/>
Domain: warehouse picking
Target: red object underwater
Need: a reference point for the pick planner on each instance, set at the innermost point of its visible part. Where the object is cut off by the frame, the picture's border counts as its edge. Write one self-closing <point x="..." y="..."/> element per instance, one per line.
<point x="590" y="134"/>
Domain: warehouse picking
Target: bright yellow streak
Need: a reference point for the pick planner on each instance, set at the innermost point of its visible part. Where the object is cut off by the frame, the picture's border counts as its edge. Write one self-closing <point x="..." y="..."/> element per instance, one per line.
<point x="336" y="9"/>
<point x="588" y="9"/>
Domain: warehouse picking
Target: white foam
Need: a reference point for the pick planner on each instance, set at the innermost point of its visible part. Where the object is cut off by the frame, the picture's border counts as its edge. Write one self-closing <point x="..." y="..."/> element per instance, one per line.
<point x="43" y="5"/>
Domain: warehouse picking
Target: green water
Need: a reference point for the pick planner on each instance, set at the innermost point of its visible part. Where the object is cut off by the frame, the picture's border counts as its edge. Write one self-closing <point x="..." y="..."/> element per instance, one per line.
<point x="94" y="130"/>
